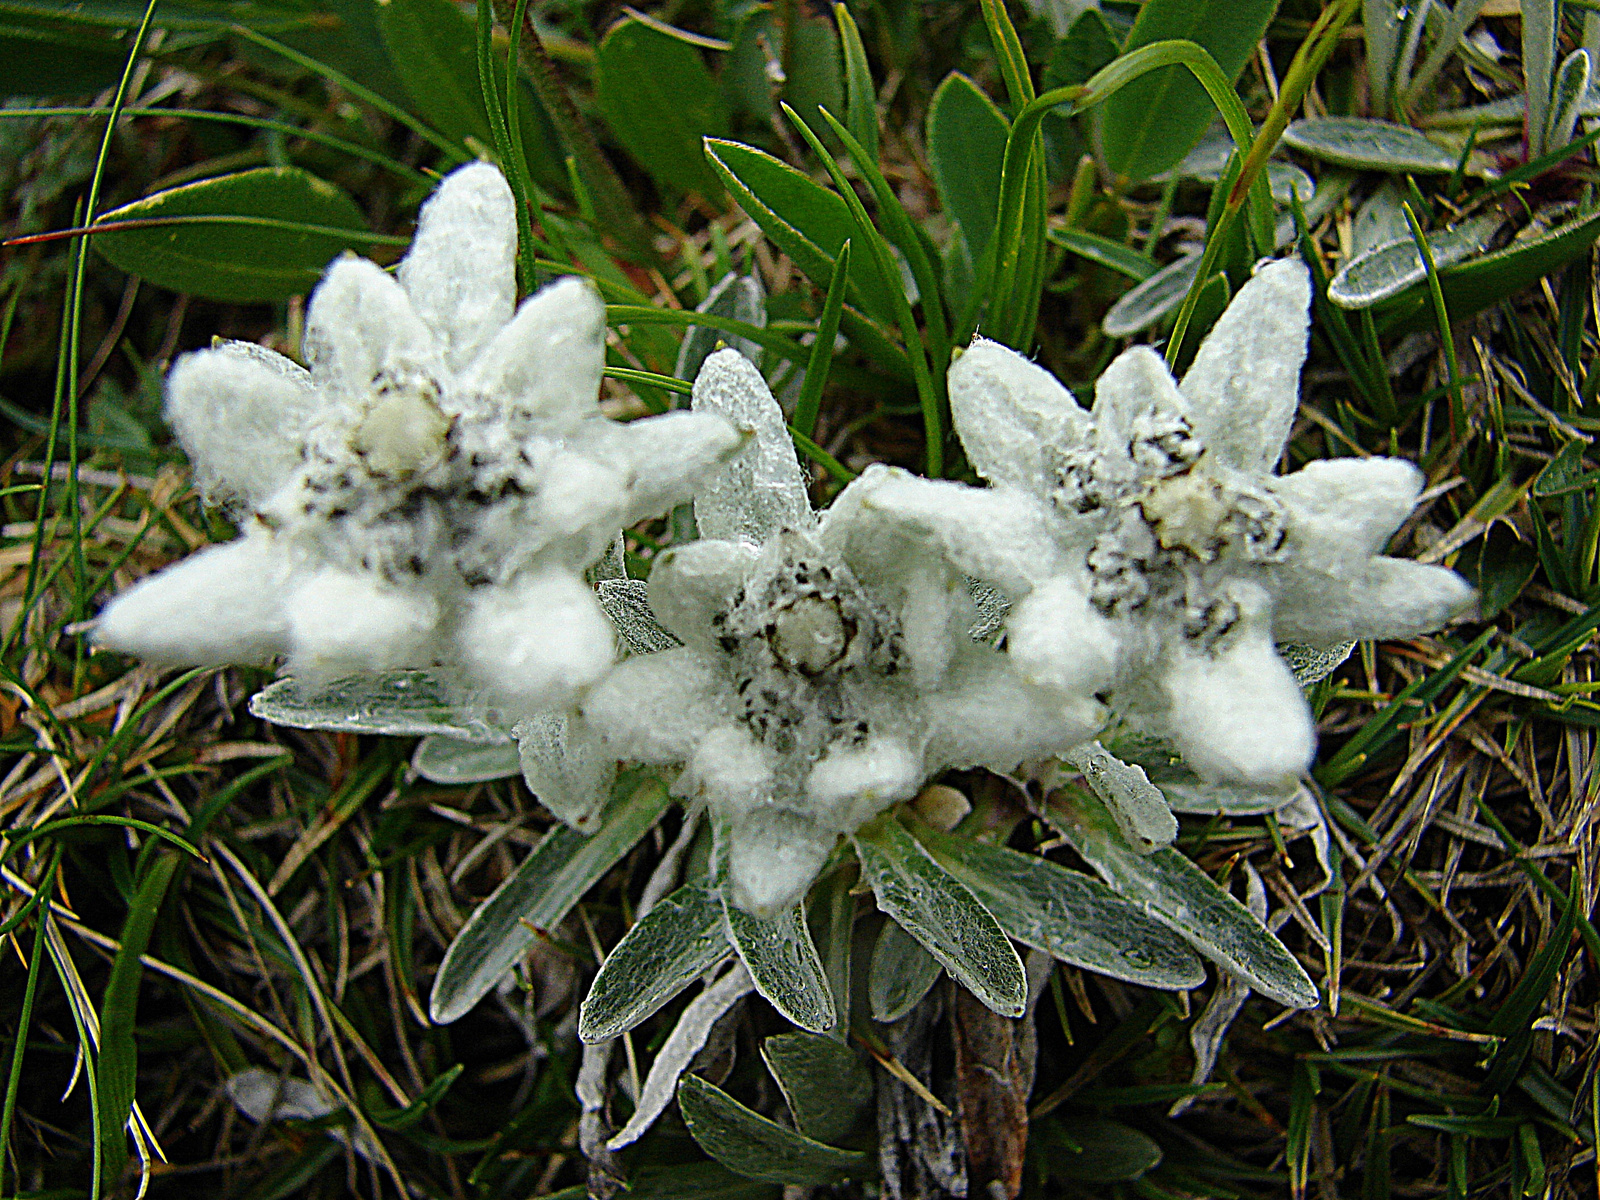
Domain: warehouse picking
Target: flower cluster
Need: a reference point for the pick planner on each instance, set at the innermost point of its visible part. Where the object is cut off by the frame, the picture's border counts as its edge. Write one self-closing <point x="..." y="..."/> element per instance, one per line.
<point x="1151" y="554"/>
<point x="826" y="669"/>
<point x="430" y="491"/>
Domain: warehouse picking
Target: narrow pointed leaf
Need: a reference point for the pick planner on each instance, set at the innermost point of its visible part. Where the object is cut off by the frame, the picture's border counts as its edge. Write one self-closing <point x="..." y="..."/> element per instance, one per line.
<point x="783" y="962"/>
<point x="861" y="98"/>
<point x="451" y="761"/>
<point x="942" y="914"/>
<point x="1067" y="915"/>
<point x="537" y="895"/>
<point x="900" y="974"/>
<point x="668" y="949"/>
<point x="805" y="220"/>
<point x="1182" y="896"/>
<point x="750" y="1145"/>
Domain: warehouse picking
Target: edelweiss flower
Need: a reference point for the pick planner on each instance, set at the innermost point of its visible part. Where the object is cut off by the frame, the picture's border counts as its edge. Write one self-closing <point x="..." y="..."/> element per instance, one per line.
<point x="1152" y="553"/>
<point x="826" y="669"/>
<point x="429" y="492"/>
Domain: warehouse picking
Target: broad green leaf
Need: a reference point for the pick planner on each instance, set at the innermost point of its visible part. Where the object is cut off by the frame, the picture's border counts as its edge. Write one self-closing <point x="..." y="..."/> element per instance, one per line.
<point x="1152" y="122"/>
<point x="1369" y="145"/>
<point x="783" y="962"/>
<point x="660" y="101"/>
<point x="450" y="761"/>
<point x="1067" y="915"/>
<point x="831" y="917"/>
<point x="117" y="1067"/>
<point x="1501" y="564"/>
<point x="1478" y="283"/>
<point x="685" y="1181"/>
<point x="1149" y="302"/>
<point x="397" y="703"/>
<point x="536" y="896"/>
<point x="899" y="974"/>
<point x="1098" y="1151"/>
<point x="941" y="913"/>
<point x="1140" y="811"/>
<point x="258" y="235"/>
<point x="1389" y="269"/>
<point x="824" y="1083"/>
<point x="38" y="58"/>
<point x="670" y="947"/>
<point x="431" y="44"/>
<point x="1088" y="45"/>
<point x="750" y="1145"/>
<point x="966" y="145"/>
<point x="1107" y="253"/>
<point x="815" y="79"/>
<point x="1182" y="896"/>
<point x="805" y="220"/>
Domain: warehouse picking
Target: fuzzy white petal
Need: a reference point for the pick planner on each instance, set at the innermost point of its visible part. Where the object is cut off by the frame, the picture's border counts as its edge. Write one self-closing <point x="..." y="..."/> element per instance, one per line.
<point x="566" y="767"/>
<point x="539" y="643"/>
<point x="1239" y="714"/>
<point x="729" y="770"/>
<point x="689" y="584"/>
<point x="1136" y="387"/>
<point x="998" y="535"/>
<point x="1058" y="641"/>
<point x="773" y="856"/>
<point x="345" y="623"/>
<point x="547" y="361"/>
<point x="852" y="784"/>
<point x="668" y="456"/>
<point x="1008" y="412"/>
<point x="360" y="329"/>
<point x="656" y="708"/>
<point x="222" y="605"/>
<point x="1342" y="510"/>
<point x="1244" y="385"/>
<point x="987" y="715"/>
<point x="761" y="489"/>
<point x="935" y="615"/>
<point x="1385" y="598"/>
<point x="461" y="269"/>
<point x="241" y="412"/>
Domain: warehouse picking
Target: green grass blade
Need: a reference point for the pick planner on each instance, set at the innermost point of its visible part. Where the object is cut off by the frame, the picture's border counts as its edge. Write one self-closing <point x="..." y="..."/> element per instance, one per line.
<point x="861" y="98"/>
<point x="117" y="1065"/>
<point x="817" y="366"/>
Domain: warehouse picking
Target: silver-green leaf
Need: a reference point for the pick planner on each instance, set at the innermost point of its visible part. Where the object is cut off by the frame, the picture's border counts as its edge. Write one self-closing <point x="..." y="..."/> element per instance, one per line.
<point x="1182" y="896"/>
<point x="1146" y="303"/>
<point x="750" y="1145"/>
<point x="451" y="761"/>
<point x="943" y="914"/>
<point x="782" y="960"/>
<point x="823" y="1081"/>
<point x="900" y="974"/>
<point x="537" y="895"/>
<point x="1067" y="915"/>
<point x="1391" y="268"/>
<point x="672" y="945"/>
<point x="397" y="703"/>
<point x="1369" y="145"/>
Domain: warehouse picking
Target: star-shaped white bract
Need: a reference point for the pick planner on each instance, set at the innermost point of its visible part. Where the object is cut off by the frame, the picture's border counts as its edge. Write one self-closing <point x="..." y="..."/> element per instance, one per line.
<point x="429" y="492"/>
<point x="1152" y="555"/>
<point x="826" y="669"/>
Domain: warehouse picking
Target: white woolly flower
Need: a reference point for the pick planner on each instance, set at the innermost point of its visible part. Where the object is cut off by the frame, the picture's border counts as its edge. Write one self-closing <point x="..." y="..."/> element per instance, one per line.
<point x="428" y="493"/>
<point x="1152" y="554"/>
<point x="826" y="669"/>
